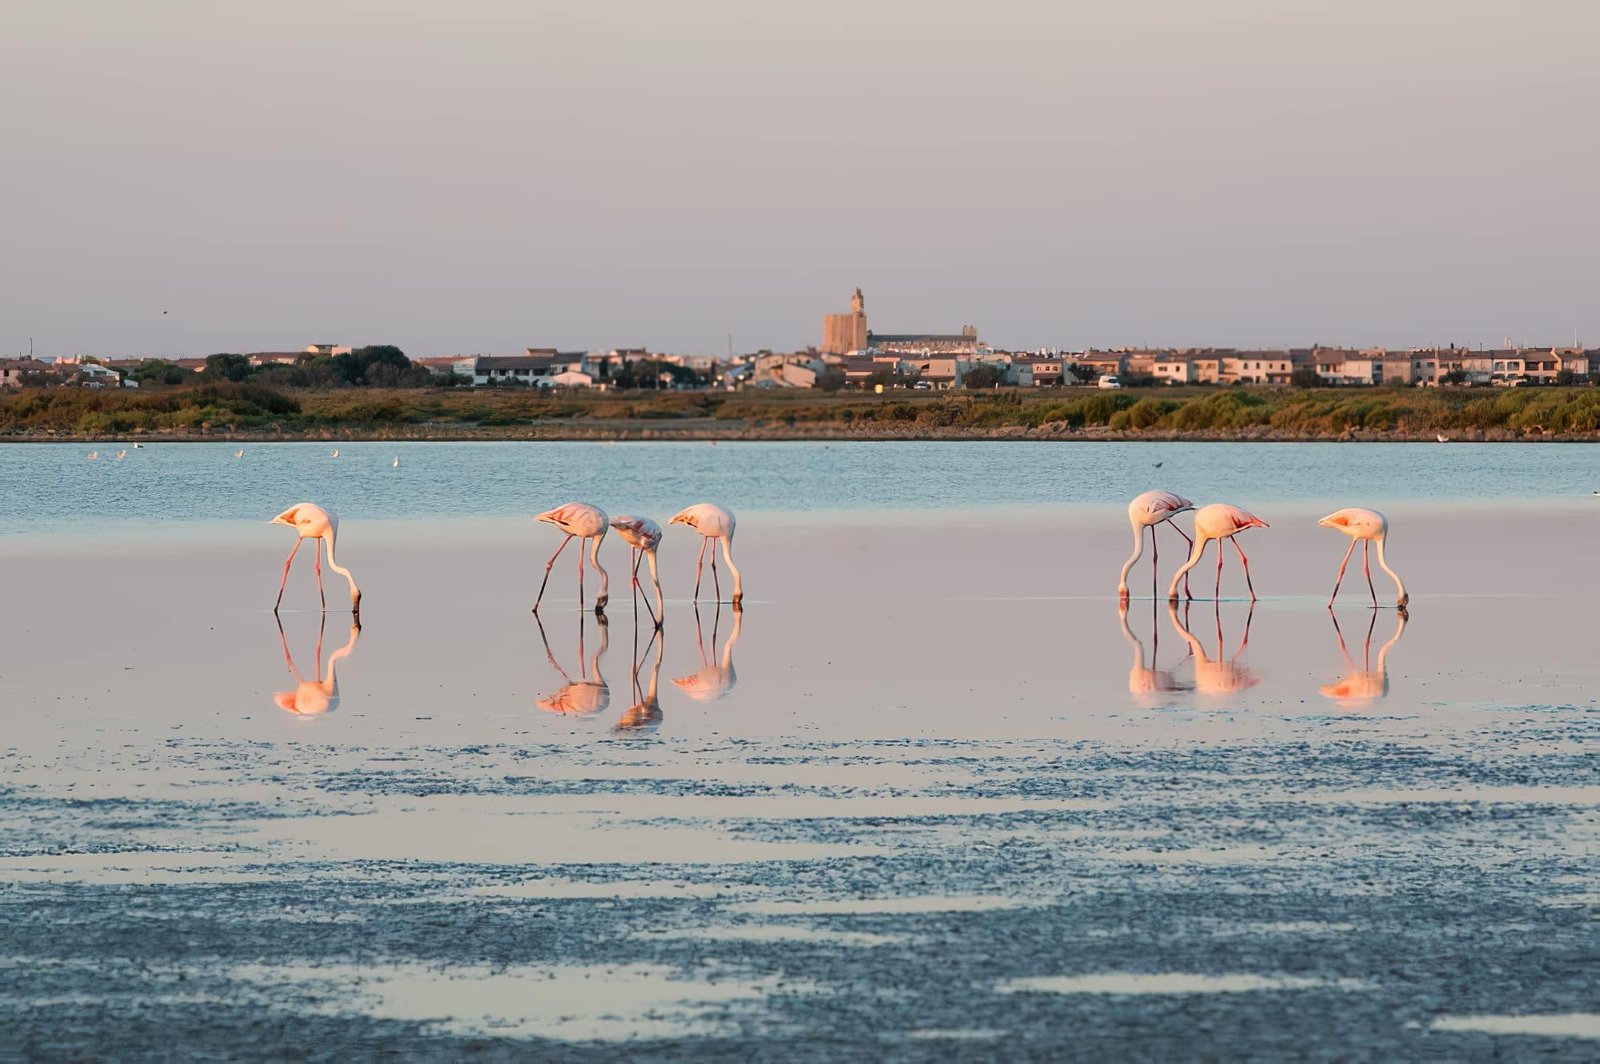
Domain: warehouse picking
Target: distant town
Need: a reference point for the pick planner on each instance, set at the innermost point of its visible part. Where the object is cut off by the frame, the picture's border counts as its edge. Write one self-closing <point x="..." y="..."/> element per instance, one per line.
<point x="850" y="356"/>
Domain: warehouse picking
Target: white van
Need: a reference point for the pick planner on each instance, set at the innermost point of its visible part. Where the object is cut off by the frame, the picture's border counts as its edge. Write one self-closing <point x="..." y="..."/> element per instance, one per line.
<point x="1110" y="381"/>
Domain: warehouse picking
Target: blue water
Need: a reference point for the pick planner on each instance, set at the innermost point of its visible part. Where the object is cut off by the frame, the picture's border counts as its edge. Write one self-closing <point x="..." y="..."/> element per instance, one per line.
<point x="52" y="487"/>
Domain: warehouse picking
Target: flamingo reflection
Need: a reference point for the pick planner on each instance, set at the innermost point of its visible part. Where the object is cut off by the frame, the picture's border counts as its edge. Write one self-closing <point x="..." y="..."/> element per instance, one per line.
<point x="1363" y="685"/>
<point x="1148" y="684"/>
<point x="314" y="697"/>
<point x="1221" y="674"/>
<point x="584" y="696"/>
<point x="645" y="713"/>
<point x="715" y="678"/>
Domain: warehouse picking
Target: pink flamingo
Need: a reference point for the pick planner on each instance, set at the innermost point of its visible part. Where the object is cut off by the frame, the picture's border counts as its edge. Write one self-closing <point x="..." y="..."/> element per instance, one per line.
<point x="1220" y="675"/>
<point x="1219" y="521"/>
<point x="1147" y="511"/>
<point x="582" y="521"/>
<point x="312" y="698"/>
<point x="643" y="536"/>
<point x="314" y="522"/>
<point x="1366" y="527"/>
<point x="645" y="713"/>
<point x="1148" y="683"/>
<point x="715" y="523"/>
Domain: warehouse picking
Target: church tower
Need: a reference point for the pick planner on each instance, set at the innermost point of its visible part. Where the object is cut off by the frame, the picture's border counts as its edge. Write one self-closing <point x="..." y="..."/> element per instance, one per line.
<point x="844" y="333"/>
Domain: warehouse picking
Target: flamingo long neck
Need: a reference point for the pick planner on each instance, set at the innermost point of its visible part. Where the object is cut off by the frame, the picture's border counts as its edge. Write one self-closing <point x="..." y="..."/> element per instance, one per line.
<point x="331" y="681"/>
<point x="1195" y="646"/>
<point x="1200" y="541"/>
<point x="355" y="592"/>
<point x="733" y="636"/>
<point x="1383" y="651"/>
<point x="727" y="556"/>
<point x="605" y="643"/>
<point x="1138" y="647"/>
<point x="594" y="556"/>
<point x="1127" y="566"/>
<point x="1384" y="565"/>
<point x="650" y="555"/>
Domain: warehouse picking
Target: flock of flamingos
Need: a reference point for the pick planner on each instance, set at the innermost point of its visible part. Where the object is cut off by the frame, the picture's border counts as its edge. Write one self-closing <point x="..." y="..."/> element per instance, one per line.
<point x="589" y="524"/>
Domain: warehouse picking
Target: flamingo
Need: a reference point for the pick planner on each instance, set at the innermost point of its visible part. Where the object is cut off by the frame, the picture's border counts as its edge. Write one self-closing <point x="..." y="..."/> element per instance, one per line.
<point x="1364" y="685"/>
<point x="94" y="455"/>
<point x="642" y="536"/>
<point x="315" y="522"/>
<point x="1147" y="511"/>
<point x="238" y="454"/>
<point x="334" y="453"/>
<point x="312" y="698"/>
<point x="581" y="520"/>
<point x="714" y="523"/>
<point x="1219" y="521"/>
<point x="582" y="697"/>
<point x="121" y="455"/>
<point x="714" y="679"/>
<point x="1365" y="527"/>
<point x="1222" y="675"/>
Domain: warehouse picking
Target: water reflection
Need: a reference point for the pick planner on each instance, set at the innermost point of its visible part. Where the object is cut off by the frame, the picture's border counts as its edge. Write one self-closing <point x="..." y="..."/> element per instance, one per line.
<point x="319" y="695"/>
<point x="1220" y="674"/>
<point x="715" y="677"/>
<point x="588" y="694"/>
<point x="645" y="713"/>
<point x="1147" y="684"/>
<point x="1361" y="685"/>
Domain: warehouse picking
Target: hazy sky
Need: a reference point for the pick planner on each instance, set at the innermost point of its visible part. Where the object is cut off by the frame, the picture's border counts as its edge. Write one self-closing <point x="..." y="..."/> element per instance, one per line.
<point x="485" y="175"/>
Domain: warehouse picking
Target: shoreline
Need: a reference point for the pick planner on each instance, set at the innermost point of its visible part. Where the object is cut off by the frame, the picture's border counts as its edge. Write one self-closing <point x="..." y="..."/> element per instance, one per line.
<point x="575" y="432"/>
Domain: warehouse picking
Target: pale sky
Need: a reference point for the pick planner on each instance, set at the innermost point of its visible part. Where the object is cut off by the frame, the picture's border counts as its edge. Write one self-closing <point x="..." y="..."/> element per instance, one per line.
<point x="487" y="175"/>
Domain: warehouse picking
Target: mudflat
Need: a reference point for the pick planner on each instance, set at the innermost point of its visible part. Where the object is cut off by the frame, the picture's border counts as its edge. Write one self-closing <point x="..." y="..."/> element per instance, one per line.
<point x="930" y="795"/>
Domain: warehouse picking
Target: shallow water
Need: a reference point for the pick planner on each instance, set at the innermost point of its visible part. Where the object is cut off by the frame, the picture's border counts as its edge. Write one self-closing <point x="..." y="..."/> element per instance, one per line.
<point x="930" y="794"/>
<point x="52" y="487"/>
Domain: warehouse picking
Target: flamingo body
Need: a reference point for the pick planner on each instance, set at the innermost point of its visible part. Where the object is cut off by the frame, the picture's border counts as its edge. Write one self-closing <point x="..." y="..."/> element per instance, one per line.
<point x="1218" y="521"/>
<point x="1365" y="527"/>
<point x="316" y="523"/>
<point x="585" y="522"/>
<point x="714" y="523"/>
<point x="1147" y="511"/>
<point x="643" y="536"/>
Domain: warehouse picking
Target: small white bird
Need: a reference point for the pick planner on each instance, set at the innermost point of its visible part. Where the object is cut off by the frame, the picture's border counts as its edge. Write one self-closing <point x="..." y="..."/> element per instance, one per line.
<point x="396" y="463"/>
<point x="334" y="453"/>
<point x="1442" y="438"/>
<point x="238" y="454"/>
<point x="93" y="455"/>
<point x="121" y="455"/>
<point x="137" y="446"/>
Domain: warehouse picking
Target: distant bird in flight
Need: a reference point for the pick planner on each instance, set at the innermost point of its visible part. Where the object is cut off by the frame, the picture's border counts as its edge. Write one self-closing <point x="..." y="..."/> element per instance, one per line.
<point x="1147" y="511"/>
<point x="1158" y="465"/>
<point x="163" y="312"/>
<point x="1219" y="522"/>
<point x="643" y="536"/>
<point x="582" y="521"/>
<point x="715" y="523"/>
<point x="313" y="522"/>
<point x="1364" y="527"/>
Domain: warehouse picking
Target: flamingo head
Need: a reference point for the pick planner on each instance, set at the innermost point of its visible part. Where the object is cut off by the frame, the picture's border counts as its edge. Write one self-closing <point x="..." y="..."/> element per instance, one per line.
<point x="285" y="518"/>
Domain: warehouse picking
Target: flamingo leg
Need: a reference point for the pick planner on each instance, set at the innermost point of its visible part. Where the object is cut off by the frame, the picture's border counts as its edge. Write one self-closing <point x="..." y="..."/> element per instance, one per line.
<point x="580" y="573"/>
<point x="698" y="565"/>
<point x="285" y="582"/>
<point x="316" y="556"/>
<point x="1340" y="580"/>
<point x="1246" y="562"/>
<point x="1217" y="594"/>
<point x="547" y="567"/>
<point x="1155" y="554"/>
<point x="1366" y="567"/>
<point x="715" y="583"/>
<point x="639" y="557"/>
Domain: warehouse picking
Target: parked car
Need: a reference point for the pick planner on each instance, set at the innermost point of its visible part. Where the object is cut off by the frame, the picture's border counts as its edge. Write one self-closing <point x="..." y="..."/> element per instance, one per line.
<point x="1109" y="381"/>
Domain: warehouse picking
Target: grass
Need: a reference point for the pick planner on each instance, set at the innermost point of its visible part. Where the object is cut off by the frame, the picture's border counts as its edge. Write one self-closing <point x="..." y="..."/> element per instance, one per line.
<point x="1326" y="413"/>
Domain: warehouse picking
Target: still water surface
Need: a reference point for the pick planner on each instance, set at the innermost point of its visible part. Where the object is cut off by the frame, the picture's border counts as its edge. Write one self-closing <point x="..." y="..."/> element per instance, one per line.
<point x="45" y="488"/>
